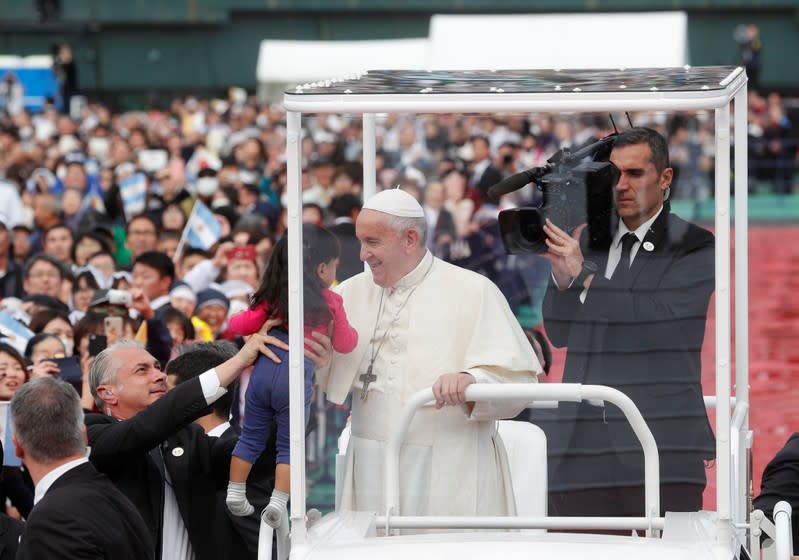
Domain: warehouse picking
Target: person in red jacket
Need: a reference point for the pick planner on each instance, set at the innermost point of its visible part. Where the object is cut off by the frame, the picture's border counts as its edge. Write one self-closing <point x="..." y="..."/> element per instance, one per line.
<point x="268" y="394"/>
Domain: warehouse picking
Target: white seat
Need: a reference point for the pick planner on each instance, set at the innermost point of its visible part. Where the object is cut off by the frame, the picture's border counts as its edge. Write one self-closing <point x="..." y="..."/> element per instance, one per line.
<point x="341" y="462"/>
<point x="526" y="446"/>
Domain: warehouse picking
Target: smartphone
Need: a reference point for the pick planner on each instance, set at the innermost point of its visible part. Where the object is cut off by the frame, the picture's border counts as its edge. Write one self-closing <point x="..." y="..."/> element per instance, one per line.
<point x="69" y="371"/>
<point x="97" y="343"/>
<point x="113" y="329"/>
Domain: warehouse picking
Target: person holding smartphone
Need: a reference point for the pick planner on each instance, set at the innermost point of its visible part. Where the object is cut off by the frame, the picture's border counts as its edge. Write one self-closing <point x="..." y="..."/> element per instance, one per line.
<point x="116" y="304"/>
<point x="41" y="352"/>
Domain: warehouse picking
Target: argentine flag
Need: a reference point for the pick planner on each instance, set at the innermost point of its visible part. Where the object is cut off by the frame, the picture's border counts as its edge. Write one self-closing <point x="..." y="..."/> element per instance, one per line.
<point x="13" y="332"/>
<point x="202" y="229"/>
<point x="133" y="190"/>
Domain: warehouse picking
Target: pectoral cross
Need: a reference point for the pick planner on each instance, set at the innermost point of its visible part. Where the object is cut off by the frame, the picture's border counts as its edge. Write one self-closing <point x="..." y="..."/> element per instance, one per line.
<point x="366" y="379"/>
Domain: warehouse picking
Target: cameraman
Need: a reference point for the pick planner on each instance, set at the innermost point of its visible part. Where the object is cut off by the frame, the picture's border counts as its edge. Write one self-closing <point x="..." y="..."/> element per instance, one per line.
<point x="633" y="318"/>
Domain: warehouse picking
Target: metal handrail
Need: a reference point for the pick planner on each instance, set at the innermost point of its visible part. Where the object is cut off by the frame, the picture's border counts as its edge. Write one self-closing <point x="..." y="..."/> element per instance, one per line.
<point x="783" y="540"/>
<point x="711" y="400"/>
<point x="571" y="392"/>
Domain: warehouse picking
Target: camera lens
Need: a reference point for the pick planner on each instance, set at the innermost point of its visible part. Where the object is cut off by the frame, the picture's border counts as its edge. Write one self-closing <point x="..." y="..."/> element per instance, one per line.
<point x="522" y="231"/>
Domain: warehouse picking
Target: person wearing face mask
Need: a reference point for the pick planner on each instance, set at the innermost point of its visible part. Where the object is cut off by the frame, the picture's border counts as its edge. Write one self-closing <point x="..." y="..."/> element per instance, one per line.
<point x="56" y="323"/>
<point x="207" y="185"/>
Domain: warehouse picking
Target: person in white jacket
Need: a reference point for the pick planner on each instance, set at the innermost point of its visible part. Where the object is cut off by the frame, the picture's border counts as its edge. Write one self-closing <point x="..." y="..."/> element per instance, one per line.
<point x="423" y="322"/>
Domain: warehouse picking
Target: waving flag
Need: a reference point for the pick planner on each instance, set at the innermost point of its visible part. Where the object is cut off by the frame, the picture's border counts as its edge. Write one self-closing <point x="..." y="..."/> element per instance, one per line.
<point x="202" y="229"/>
<point x="13" y="332"/>
<point x="133" y="190"/>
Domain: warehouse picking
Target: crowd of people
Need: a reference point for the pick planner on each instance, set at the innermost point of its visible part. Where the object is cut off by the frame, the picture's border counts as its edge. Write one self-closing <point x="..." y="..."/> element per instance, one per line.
<point x="94" y="249"/>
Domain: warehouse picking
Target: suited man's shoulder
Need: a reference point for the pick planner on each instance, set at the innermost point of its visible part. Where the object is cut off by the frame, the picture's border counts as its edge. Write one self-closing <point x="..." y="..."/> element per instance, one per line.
<point x="343" y="228"/>
<point x="681" y="231"/>
<point x="97" y="418"/>
<point x="86" y="505"/>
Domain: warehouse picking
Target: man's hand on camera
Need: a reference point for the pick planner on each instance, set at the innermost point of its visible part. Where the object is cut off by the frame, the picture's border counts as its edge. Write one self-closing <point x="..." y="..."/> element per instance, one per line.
<point x="564" y="253"/>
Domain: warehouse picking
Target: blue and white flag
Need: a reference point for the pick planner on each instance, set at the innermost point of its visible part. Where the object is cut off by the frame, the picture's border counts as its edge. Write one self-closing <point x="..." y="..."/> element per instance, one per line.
<point x="13" y="332"/>
<point x="133" y="190"/>
<point x="10" y="458"/>
<point x="202" y="229"/>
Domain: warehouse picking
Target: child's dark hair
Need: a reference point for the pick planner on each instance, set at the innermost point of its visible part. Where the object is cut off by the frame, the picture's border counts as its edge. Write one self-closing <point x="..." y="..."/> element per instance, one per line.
<point x="318" y="246"/>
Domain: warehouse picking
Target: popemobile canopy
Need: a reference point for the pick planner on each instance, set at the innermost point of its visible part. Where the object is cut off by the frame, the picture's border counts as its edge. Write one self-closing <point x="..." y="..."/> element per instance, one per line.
<point x="489" y="91"/>
<point x="459" y="91"/>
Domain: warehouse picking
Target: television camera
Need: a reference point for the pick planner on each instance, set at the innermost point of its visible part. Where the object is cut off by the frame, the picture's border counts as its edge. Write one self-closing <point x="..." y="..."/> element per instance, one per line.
<point x="576" y="187"/>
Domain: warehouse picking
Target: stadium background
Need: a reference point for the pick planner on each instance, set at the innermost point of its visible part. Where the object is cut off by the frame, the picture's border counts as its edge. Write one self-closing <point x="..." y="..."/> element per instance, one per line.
<point x="143" y="53"/>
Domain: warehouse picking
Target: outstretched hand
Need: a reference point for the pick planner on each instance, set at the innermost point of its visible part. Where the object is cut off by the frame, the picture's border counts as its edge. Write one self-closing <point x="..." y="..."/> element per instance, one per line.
<point x="259" y="343"/>
<point x="564" y="253"/>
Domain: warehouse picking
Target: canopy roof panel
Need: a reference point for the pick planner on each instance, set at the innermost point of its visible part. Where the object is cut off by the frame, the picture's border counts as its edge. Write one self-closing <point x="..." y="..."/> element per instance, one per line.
<point x="489" y="90"/>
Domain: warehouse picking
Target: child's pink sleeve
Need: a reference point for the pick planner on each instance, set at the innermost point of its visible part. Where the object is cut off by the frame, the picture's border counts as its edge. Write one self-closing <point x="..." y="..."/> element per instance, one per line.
<point x="345" y="337"/>
<point x="248" y="321"/>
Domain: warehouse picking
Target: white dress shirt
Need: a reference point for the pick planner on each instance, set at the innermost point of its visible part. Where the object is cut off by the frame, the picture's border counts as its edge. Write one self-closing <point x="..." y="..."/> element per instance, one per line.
<point x="47" y="480"/>
<point x="176" y="544"/>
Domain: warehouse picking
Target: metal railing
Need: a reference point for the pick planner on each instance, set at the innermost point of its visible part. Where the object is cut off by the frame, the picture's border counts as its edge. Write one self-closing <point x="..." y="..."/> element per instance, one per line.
<point x="571" y="392"/>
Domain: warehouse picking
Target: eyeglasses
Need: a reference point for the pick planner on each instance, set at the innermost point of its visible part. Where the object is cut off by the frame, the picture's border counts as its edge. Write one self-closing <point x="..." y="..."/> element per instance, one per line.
<point x="141" y="233"/>
<point x="44" y="274"/>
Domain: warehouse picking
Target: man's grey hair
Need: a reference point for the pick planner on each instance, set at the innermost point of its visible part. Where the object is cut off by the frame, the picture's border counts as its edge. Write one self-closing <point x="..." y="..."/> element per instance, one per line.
<point x="402" y="224"/>
<point x="105" y="368"/>
<point x="48" y="420"/>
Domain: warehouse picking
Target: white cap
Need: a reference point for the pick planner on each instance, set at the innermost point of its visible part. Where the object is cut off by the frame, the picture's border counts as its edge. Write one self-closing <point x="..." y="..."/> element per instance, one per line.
<point x="183" y="291"/>
<point x="395" y="202"/>
<point x="236" y="288"/>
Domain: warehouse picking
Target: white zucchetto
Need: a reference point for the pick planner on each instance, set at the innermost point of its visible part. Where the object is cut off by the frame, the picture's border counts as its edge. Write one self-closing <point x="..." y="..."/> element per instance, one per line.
<point x="395" y="202"/>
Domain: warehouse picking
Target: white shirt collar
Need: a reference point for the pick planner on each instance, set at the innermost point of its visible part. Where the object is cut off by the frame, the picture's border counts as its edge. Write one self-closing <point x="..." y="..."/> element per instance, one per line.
<point x="47" y="480"/>
<point x="480" y="167"/>
<point x="217" y="431"/>
<point x="159" y="302"/>
<point x="640" y="231"/>
<point x="417" y="274"/>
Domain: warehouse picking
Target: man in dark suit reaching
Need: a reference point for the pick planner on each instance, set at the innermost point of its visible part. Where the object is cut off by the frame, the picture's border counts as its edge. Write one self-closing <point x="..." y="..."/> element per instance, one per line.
<point x="148" y="446"/>
<point x="78" y="512"/>
<point x="633" y="317"/>
<point x="235" y="537"/>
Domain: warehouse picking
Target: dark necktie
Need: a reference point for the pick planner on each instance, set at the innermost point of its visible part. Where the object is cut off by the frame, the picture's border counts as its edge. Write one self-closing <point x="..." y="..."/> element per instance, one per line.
<point x="158" y="458"/>
<point x="627" y="242"/>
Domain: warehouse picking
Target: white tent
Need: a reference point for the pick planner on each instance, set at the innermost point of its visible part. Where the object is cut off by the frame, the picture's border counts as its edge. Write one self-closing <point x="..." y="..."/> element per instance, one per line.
<point x="309" y="61"/>
<point x="501" y="42"/>
<point x="622" y="40"/>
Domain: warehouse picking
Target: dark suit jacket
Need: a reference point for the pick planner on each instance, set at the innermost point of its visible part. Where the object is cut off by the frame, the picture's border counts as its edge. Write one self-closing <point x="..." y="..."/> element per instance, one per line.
<point x="488" y="178"/>
<point x="350" y="262"/>
<point x="642" y="335"/>
<point x="121" y="449"/>
<point x="237" y="537"/>
<point x="10" y="532"/>
<point x="11" y="282"/>
<point x="83" y="515"/>
<point x="781" y="482"/>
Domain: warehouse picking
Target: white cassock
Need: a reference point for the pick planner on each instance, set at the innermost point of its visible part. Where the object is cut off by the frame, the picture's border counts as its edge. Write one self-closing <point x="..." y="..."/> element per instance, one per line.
<point x="451" y="463"/>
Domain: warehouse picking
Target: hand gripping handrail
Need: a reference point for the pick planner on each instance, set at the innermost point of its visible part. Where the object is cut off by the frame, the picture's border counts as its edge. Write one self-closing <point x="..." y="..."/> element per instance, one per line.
<point x="570" y="392"/>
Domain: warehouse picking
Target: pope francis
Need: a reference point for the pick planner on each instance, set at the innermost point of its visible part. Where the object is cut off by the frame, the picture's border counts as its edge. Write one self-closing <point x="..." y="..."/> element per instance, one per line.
<point x="424" y="322"/>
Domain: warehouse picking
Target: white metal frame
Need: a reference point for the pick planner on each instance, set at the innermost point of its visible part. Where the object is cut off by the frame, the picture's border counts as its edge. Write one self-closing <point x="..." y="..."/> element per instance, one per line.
<point x="573" y="392"/>
<point x="730" y="500"/>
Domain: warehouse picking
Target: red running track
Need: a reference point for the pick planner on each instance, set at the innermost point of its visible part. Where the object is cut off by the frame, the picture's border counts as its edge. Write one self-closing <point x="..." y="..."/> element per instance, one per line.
<point x="773" y="346"/>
